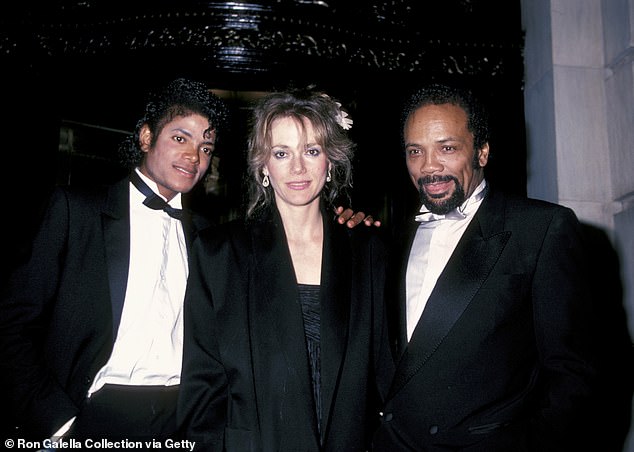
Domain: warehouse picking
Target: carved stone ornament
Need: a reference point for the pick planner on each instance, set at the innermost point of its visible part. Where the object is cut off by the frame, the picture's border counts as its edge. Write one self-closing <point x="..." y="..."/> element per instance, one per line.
<point x="403" y="36"/>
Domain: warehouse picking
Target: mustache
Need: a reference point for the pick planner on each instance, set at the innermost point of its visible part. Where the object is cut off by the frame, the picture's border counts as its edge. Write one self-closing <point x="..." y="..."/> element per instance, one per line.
<point x="433" y="179"/>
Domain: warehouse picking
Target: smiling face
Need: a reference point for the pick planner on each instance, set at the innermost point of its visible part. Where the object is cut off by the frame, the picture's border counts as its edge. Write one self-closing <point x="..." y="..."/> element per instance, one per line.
<point x="441" y="159"/>
<point x="180" y="155"/>
<point x="297" y="165"/>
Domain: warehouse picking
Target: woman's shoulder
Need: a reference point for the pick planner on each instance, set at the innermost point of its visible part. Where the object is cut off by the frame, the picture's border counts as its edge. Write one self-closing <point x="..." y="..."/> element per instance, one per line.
<point x="361" y="237"/>
<point x="224" y="231"/>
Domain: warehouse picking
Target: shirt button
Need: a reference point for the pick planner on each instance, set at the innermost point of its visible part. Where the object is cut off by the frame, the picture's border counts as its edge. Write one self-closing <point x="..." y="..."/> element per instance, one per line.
<point x="433" y="429"/>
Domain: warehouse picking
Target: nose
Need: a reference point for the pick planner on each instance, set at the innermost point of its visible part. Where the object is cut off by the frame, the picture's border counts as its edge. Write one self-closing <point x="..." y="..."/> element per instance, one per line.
<point x="191" y="154"/>
<point x="297" y="165"/>
<point x="431" y="163"/>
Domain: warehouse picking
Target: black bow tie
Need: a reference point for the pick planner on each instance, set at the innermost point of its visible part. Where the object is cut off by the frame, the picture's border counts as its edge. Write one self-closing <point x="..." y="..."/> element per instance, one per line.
<point x="152" y="200"/>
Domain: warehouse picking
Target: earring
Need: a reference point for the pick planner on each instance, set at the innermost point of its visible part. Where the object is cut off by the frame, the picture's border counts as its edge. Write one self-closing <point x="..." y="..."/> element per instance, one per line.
<point x="328" y="176"/>
<point x="265" y="180"/>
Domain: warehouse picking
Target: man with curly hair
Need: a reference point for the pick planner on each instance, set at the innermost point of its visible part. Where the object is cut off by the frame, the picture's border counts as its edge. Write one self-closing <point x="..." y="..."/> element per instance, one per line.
<point x="91" y="324"/>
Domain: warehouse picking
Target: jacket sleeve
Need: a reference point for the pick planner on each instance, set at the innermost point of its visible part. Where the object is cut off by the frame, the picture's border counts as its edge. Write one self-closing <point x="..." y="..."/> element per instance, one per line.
<point x="202" y="409"/>
<point x="562" y="311"/>
<point x="27" y="300"/>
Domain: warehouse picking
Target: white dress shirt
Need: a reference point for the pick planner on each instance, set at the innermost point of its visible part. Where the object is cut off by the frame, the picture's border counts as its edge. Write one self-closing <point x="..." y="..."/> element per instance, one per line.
<point x="428" y="256"/>
<point x="148" y="349"/>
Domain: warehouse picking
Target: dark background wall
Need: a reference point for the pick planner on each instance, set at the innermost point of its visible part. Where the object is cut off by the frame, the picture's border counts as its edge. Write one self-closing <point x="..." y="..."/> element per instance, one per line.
<point x="76" y="74"/>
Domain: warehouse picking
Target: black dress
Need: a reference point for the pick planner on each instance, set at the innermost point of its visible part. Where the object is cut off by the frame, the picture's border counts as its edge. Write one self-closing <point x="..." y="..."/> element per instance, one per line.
<point x="309" y="301"/>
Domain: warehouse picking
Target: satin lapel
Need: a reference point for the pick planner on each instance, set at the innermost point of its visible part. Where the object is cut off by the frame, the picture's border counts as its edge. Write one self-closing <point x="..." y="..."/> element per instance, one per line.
<point x="467" y="269"/>
<point x="188" y="228"/>
<point x="116" y="232"/>
<point x="276" y="311"/>
<point x="399" y="338"/>
<point x="193" y="222"/>
<point x="335" y="301"/>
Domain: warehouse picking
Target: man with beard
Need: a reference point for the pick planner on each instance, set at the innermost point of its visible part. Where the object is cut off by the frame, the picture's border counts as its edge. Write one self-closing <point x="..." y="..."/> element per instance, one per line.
<point x="492" y="330"/>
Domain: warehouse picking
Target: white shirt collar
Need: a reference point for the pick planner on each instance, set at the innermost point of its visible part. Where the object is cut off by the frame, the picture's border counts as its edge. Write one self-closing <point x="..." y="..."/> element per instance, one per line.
<point x="175" y="202"/>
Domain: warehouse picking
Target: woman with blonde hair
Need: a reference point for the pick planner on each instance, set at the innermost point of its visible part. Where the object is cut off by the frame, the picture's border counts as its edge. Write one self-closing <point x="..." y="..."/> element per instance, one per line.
<point x="285" y="308"/>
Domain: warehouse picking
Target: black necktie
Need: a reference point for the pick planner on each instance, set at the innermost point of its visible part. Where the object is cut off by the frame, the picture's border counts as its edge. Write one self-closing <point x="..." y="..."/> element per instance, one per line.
<point x="152" y="200"/>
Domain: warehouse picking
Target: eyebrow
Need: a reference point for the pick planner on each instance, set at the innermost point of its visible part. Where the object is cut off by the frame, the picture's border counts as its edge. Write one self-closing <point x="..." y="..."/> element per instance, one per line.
<point x="449" y="138"/>
<point x="191" y="135"/>
<point x="439" y="141"/>
<point x="183" y="131"/>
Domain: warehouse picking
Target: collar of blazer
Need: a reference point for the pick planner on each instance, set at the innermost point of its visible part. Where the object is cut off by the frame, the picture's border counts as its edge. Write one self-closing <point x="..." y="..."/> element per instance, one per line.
<point x="476" y="254"/>
<point x="274" y="300"/>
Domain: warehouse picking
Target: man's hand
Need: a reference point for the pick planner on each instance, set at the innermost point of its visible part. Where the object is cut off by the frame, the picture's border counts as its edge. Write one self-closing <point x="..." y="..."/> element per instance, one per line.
<point x="352" y="219"/>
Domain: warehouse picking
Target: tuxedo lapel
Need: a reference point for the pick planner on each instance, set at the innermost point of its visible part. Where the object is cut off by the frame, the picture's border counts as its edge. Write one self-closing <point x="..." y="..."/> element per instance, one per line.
<point x="188" y="228"/>
<point x="277" y="312"/>
<point x="193" y="222"/>
<point x="116" y="231"/>
<point x="335" y="309"/>
<point x="399" y="321"/>
<point x="467" y="269"/>
<point x="277" y="316"/>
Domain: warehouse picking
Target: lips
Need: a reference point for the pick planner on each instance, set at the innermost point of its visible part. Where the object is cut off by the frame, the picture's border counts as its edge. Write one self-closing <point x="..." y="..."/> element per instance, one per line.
<point x="187" y="172"/>
<point x="299" y="185"/>
<point x="437" y="188"/>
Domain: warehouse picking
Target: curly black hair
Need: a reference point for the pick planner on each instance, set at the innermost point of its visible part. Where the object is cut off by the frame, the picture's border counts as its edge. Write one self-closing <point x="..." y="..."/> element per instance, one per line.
<point x="180" y="97"/>
<point x="438" y="94"/>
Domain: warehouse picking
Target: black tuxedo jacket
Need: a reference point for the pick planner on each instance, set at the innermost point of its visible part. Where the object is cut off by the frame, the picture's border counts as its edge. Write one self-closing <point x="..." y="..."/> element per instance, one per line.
<point x="246" y="376"/>
<point x="500" y="357"/>
<point x="60" y="312"/>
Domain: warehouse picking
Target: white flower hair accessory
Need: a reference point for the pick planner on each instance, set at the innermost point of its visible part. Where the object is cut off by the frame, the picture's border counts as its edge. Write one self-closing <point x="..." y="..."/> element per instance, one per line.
<point x="343" y="119"/>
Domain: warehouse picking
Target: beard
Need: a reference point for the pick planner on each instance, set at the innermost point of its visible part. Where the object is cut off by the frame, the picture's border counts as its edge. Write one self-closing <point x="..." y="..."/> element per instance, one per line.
<point x="434" y="203"/>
